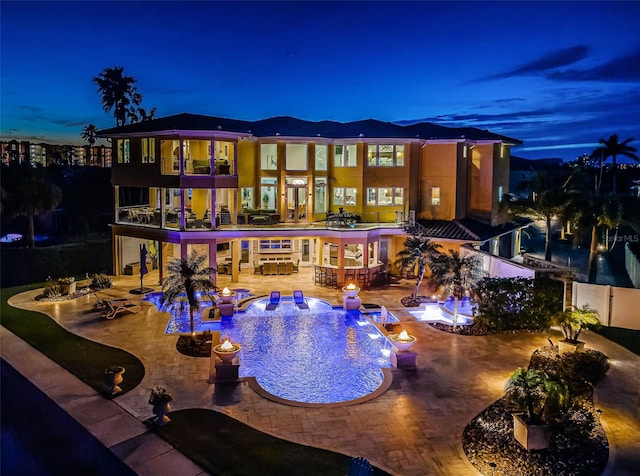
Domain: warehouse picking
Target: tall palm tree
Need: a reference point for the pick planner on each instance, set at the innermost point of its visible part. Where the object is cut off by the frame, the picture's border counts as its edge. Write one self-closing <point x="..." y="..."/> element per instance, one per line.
<point x="147" y="116"/>
<point x="612" y="148"/>
<point x="456" y="275"/>
<point x="418" y="252"/>
<point x="549" y="199"/>
<point x="188" y="276"/>
<point x="591" y="210"/>
<point x="117" y="92"/>
<point x="90" y="133"/>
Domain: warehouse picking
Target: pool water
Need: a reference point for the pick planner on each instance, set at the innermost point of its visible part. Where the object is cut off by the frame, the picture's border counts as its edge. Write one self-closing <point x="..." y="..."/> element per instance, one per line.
<point x="320" y="355"/>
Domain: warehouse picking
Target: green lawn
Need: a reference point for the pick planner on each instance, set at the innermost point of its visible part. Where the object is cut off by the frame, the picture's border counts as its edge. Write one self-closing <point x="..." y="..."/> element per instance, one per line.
<point x="84" y="358"/>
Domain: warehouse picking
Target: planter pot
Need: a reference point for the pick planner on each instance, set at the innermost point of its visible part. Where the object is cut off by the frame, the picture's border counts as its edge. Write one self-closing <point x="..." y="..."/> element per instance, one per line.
<point x="570" y="346"/>
<point x="531" y="437"/>
<point x="114" y="379"/>
<point x="160" y="410"/>
<point x="68" y="288"/>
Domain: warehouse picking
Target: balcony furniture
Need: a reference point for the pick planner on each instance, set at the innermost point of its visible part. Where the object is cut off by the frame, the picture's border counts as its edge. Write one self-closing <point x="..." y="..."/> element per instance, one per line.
<point x="257" y="268"/>
<point x="341" y="220"/>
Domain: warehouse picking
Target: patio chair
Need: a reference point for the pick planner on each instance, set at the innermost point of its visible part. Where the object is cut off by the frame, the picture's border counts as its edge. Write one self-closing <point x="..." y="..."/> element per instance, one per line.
<point x="114" y="308"/>
<point x="299" y="299"/>
<point x="274" y="300"/>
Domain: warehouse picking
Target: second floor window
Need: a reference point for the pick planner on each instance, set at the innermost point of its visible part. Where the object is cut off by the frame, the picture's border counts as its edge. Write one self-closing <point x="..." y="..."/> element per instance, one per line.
<point x="435" y="195"/>
<point x="345" y="155"/>
<point x="148" y="151"/>
<point x="269" y="156"/>
<point x="385" y="196"/>
<point x="344" y="196"/>
<point x="124" y="151"/>
<point x="385" y="155"/>
<point x="296" y="157"/>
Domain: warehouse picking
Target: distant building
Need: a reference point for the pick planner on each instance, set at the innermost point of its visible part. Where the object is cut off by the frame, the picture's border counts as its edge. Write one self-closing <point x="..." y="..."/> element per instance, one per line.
<point x="338" y="196"/>
<point x="15" y="152"/>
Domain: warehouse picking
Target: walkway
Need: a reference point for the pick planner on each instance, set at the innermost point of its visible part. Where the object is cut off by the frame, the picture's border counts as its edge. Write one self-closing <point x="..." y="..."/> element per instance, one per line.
<point x="414" y="428"/>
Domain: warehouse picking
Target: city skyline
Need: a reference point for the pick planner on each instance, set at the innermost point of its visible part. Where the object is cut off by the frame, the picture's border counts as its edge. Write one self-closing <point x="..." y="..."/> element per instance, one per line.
<point x="557" y="75"/>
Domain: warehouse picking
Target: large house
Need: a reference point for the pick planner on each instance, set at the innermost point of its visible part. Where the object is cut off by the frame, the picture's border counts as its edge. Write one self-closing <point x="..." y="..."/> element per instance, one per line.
<point x="274" y="195"/>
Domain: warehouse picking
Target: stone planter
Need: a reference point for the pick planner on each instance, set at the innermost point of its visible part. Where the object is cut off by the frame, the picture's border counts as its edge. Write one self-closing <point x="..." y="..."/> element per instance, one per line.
<point x="565" y="345"/>
<point x="68" y="288"/>
<point x="114" y="379"/>
<point x="160" y="410"/>
<point x="531" y="437"/>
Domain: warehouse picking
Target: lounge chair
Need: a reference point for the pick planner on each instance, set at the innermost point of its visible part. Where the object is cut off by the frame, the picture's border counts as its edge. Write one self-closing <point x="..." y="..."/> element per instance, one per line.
<point x="274" y="300"/>
<point x="114" y="308"/>
<point x="299" y="300"/>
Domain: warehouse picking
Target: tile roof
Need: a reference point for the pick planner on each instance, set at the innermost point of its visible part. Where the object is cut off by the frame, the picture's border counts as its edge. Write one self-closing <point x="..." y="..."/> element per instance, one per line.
<point x="290" y="126"/>
<point x="467" y="229"/>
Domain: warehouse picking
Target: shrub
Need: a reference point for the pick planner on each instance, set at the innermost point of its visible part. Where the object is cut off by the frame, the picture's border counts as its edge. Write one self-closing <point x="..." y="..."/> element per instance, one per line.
<point x="100" y="281"/>
<point x="52" y="291"/>
<point x="506" y="304"/>
<point x="589" y="365"/>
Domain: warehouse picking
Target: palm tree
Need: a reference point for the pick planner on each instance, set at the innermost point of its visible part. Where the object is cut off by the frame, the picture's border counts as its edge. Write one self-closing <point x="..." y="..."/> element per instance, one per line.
<point x="418" y="252"/>
<point x="573" y="320"/>
<point x="612" y="148"/>
<point x="190" y="277"/>
<point x="30" y="194"/>
<point x="144" y="116"/>
<point x="535" y="392"/>
<point x="90" y="133"/>
<point x="117" y="92"/>
<point x="456" y="275"/>
<point x="549" y="199"/>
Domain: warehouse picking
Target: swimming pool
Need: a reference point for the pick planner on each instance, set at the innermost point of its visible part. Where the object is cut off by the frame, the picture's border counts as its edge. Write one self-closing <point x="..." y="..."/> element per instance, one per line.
<point x="323" y="355"/>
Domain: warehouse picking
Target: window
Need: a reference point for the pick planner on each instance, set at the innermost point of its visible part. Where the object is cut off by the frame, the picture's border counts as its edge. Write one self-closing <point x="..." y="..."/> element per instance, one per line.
<point x="124" y="151"/>
<point x="435" y="195"/>
<point x="500" y="194"/>
<point x="148" y="151"/>
<point x="321" y="157"/>
<point x="502" y="150"/>
<point x="269" y="156"/>
<point x="268" y="192"/>
<point x="465" y="150"/>
<point x="320" y="195"/>
<point x="277" y="245"/>
<point x="246" y="197"/>
<point x="345" y="155"/>
<point x="344" y="196"/>
<point x="385" y="155"/>
<point x="385" y="196"/>
<point x="296" y="157"/>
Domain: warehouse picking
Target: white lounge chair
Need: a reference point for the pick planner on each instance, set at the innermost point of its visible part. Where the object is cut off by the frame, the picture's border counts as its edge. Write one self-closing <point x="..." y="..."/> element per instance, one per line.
<point x="114" y="308"/>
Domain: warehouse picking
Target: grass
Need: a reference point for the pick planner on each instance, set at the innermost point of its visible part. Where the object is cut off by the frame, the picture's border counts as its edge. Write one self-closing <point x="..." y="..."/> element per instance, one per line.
<point x="84" y="358"/>
<point x="224" y="447"/>
<point x="627" y="338"/>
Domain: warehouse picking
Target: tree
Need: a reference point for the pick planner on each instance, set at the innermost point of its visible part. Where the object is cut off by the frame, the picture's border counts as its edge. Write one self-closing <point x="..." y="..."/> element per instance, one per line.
<point x="535" y="392"/>
<point x="612" y="148"/>
<point x="118" y="92"/>
<point x="456" y="274"/>
<point x="147" y="116"/>
<point x="418" y="252"/>
<point x="549" y="199"/>
<point x="188" y="277"/>
<point x="30" y="194"/>
<point x="574" y="320"/>
<point x="90" y="133"/>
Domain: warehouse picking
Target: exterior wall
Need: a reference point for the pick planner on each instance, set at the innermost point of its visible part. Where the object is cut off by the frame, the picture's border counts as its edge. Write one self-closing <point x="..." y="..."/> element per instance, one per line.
<point x="497" y="267"/>
<point x="617" y="307"/>
<point x="438" y="169"/>
<point x="481" y="183"/>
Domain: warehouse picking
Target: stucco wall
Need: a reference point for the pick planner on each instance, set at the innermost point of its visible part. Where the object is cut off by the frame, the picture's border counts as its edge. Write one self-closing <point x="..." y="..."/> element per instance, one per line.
<point x="617" y="307"/>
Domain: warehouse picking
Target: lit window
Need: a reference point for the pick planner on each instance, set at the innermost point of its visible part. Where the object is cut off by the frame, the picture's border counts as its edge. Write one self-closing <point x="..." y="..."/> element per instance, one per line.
<point x="296" y="157"/>
<point x="148" y="151"/>
<point x="321" y="157"/>
<point x="269" y="156"/>
<point x="385" y="155"/>
<point x="465" y="151"/>
<point x="124" y="151"/>
<point x="500" y="194"/>
<point x="435" y="195"/>
<point x="385" y="196"/>
<point x="345" y="155"/>
<point x="344" y="196"/>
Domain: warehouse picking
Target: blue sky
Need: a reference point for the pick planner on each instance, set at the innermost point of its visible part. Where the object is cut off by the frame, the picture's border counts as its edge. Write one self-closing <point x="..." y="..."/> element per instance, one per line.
<point x="557" y="75"/>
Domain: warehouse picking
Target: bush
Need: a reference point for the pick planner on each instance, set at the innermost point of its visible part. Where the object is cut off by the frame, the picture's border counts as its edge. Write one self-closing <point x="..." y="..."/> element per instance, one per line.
<point x="100" y="281"/>
<point x="52" y="291"/>
<point x="506" y="304"/>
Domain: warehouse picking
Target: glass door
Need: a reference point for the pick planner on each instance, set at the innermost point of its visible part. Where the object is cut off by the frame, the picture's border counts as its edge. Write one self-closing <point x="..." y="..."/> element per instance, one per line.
<point x="296" y="199"/>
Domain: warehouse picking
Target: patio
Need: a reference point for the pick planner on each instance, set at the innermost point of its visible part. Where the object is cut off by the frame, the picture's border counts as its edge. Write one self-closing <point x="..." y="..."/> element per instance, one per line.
<point x="413" y="428"/>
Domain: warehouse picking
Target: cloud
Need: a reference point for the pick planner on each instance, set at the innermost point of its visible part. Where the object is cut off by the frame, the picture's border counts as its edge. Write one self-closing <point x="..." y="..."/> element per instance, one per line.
<point x="621" y="69"/>
<point x="550" y="61"/>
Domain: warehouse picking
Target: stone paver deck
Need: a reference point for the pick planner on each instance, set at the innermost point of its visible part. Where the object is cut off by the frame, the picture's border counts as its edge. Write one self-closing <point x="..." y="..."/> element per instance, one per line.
<point x="414" y="428"/>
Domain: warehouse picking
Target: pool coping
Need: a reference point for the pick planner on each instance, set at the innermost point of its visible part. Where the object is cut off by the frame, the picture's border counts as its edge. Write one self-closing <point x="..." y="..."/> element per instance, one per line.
<point x="387" y="380"/>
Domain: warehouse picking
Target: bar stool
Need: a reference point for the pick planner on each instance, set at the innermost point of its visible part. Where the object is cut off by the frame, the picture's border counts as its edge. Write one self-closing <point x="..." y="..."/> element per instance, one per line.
<point x="363" y="277"/>
<point x="331" y="278"/>
<point x="319" y="275"/>
<point x="349" y="276"/>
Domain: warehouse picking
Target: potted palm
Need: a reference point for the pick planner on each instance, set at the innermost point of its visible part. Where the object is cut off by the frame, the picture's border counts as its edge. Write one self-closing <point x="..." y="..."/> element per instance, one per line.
<point x="160" y="399"/>
<point x="537" y="397"/>
<point x="572" y="321"/>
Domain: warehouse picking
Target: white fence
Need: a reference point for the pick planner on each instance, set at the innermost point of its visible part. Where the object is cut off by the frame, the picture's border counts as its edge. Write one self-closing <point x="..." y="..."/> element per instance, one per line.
<point x="632" y="263"/>
<point x="618" y="307"/>
<point x="498" y="267"/>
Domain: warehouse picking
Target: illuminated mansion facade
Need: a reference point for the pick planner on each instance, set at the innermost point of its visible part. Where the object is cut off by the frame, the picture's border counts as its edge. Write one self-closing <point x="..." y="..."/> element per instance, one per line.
<point x="340" y="196"/>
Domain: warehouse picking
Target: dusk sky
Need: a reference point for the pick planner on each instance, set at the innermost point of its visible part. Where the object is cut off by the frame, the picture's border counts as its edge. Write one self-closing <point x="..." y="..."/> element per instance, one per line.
<point x="557" y="75"/>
